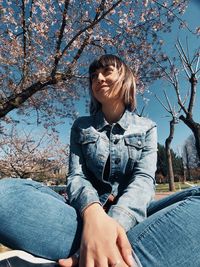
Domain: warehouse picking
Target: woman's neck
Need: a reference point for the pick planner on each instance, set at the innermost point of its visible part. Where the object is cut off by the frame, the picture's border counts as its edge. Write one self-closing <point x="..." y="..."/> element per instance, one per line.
<point x="113" y="111"/>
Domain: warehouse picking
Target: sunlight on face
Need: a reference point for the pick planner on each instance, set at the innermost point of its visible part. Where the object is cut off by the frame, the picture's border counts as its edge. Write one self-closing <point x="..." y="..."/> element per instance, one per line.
<point x="106" y="83"/>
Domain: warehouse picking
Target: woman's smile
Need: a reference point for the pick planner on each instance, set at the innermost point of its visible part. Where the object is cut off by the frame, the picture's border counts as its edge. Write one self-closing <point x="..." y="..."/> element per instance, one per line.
<point x="104" y="83"/>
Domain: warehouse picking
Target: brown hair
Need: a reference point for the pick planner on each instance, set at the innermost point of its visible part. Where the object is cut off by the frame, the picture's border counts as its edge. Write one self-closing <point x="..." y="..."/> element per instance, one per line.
<point x="128" y="83"/>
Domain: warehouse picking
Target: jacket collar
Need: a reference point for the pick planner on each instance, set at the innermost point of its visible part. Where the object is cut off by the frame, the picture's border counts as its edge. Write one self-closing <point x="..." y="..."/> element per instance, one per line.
<point x="100" y="121"/>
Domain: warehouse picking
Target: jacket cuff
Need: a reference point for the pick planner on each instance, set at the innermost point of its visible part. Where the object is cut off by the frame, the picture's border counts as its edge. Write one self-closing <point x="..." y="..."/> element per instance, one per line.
<point x="86" y="199"/>
<point x="123" y="217"/>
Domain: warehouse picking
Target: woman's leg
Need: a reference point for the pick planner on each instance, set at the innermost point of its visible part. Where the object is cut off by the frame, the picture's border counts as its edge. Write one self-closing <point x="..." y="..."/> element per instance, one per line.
<point x="36" y="219"/>
<point x="170" y="235"/>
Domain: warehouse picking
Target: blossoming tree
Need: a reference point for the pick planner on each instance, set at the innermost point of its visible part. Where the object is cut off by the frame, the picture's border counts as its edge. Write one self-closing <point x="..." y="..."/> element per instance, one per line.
<point x="32" y="155"/>
<point x="46" y="47"/>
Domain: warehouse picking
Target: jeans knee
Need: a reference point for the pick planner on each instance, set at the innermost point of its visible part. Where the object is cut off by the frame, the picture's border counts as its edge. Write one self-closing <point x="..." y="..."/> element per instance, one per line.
<point x="9" y="185"/>
<point x="5" y="184"/>
<point x="195" y="190"/>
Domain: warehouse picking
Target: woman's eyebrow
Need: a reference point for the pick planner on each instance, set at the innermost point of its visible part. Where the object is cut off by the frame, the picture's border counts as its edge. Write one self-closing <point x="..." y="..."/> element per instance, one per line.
<point x="109" y="66"/>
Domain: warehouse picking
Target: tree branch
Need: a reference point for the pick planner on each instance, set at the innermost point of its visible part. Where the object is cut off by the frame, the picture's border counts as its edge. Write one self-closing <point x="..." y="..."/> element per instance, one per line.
<point x="60" y="37"/>
<point x="178" y="18"/>
<point x="89" y="27"/>
<point x="193" y="82"/>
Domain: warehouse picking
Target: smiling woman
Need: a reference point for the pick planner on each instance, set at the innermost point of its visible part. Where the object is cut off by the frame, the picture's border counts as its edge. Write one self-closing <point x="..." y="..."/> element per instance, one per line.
<point x="115" y="79"/>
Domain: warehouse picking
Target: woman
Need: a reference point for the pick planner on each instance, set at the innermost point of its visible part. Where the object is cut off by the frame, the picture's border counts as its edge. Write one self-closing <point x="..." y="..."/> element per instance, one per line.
<point x="112" y="219"/>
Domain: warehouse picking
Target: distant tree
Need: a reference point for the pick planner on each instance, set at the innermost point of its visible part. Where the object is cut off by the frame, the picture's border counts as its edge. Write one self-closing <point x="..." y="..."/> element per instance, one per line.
<point x="27" y="156"/>
<point x="46" y="47"/>
<point x="190" y="153"/>
<point x="174" y="120"/>
<point x="162" y="160"/>
<point x="177" y="165"/>
<point x="190" y="66"/>
<point x="162" y="163"/>
<point x="190" y="156"/>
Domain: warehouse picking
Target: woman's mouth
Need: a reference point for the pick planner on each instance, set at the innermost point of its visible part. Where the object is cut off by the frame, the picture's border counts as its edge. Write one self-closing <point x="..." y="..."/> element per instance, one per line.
<point x="102" y="87"/>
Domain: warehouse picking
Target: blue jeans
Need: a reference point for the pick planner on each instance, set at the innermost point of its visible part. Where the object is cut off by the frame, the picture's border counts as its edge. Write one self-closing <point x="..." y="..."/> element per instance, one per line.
<point x="36" y="219"/>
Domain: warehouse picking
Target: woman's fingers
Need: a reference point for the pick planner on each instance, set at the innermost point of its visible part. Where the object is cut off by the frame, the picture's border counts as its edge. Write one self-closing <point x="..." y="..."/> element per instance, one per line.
<point x="86" y="262"/>
<point x="116" y="260"/>
<point x="125" y="248"/>
<point x="70" y="262"/>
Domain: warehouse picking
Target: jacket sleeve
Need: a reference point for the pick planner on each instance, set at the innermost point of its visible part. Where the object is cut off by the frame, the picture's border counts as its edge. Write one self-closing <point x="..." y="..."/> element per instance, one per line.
<point x="131" y="206"/>
<point x="80" y="191"/>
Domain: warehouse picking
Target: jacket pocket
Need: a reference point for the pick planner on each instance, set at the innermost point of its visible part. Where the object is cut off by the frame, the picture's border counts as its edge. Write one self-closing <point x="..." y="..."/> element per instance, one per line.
<point x="89" y="145"/>
<point x="135" y="144"/>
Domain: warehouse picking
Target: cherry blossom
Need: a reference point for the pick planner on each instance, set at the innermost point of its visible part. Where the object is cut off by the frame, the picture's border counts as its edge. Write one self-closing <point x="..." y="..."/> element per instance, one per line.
<point x="46" y="47"/>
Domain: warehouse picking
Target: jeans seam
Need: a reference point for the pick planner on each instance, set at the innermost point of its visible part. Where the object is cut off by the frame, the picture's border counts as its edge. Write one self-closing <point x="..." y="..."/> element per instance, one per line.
<point x="160" y="219"/>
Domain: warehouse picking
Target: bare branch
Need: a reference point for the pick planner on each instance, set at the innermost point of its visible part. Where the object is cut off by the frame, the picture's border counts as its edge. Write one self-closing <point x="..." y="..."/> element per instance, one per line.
<point x="198" y="59"/>
<point x="164" y="106"/>
<point x="186" y="59"/>
<point x="168" y="102"/>
<point x="184" y="101"/>
<point x="193" y="82"/>
<point x="188" y="54"/>
<point x="167" y="76"/>
<point x="176" y="87"/>
<point x="185" y="68"/>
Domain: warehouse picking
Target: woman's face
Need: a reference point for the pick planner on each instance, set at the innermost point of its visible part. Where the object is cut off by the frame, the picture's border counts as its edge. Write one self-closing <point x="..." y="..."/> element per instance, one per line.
<point x="106" y="84"/>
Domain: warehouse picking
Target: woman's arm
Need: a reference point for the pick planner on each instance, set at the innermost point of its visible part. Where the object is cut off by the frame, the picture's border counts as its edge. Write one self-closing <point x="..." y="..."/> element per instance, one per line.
<point x="131" y="207"/>
<point x="80" y="191"/>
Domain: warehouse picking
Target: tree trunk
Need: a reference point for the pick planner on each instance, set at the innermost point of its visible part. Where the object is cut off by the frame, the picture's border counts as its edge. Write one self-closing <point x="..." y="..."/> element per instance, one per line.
<point x="170" y="171"/>
<point x="184" y="177"/>
<point x="195" y="128"/>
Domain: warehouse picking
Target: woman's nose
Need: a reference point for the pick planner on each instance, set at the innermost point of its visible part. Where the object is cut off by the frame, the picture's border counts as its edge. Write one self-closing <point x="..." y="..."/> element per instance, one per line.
<point x="100" y="77"/>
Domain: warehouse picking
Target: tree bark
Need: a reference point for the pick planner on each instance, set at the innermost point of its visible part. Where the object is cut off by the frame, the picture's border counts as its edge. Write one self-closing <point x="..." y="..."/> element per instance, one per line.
<point x="170" y="171"/>
<point x="195" y="128"/>
<point x="15" y="101"/>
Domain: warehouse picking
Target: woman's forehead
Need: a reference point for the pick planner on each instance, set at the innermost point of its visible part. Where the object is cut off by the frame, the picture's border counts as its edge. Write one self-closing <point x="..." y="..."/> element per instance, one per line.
<point x="101" y="68"/>
<point x="102" y="65"/>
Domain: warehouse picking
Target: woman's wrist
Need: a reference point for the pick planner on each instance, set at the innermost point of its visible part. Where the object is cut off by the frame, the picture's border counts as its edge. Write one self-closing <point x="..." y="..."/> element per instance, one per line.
<point x="93" y="209"/>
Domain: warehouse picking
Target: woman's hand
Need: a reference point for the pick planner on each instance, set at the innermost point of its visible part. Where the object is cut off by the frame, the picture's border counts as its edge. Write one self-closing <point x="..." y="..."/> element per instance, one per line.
<point x="104" y="242"/>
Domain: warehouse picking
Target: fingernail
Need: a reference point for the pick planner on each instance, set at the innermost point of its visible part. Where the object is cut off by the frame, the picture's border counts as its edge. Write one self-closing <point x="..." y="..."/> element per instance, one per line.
<point x="131" y="261"/>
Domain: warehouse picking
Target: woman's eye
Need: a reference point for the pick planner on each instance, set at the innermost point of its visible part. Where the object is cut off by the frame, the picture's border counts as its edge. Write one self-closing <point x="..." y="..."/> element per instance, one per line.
<point x="108" y="69"/>
<point x="93" y="76"/>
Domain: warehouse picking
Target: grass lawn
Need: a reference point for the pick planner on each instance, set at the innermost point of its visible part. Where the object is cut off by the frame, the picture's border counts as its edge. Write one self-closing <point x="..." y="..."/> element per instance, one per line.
<point x="178" y="186"/>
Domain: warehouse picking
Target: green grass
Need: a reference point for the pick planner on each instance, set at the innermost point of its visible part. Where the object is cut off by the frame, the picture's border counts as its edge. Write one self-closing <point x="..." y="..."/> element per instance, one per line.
<point x="178" y="186"/>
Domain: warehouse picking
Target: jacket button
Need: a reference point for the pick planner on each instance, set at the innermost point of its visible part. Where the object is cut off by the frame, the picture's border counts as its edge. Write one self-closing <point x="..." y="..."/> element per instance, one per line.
<point x="139" y="143"/>
<point x="117" y="161"/>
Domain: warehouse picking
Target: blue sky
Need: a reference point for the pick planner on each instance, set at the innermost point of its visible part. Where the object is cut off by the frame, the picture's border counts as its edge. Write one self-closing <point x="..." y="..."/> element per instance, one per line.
<point x="154" y="110"/>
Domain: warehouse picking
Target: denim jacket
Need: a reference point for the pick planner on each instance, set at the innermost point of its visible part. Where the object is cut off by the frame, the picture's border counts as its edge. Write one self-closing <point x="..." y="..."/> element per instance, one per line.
<point x="118" y="159"/>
